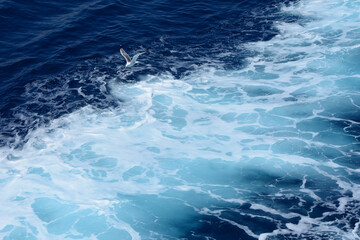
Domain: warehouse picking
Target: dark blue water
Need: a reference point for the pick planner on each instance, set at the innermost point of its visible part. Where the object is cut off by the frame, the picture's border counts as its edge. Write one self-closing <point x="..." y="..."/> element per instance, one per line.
<point x="240" y="122"/>
<point x="46" y="42"/>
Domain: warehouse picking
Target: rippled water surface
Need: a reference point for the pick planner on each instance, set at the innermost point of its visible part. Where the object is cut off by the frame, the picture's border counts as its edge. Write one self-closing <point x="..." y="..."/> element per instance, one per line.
<point x="241" y="122"/>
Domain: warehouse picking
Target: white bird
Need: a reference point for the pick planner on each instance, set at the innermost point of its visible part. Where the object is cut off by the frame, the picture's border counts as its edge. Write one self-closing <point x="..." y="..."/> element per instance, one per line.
<point x="130" y="62"/>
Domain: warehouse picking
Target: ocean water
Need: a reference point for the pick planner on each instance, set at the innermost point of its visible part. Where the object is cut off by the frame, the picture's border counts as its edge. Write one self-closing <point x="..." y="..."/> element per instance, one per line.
<point x="242" y="122"/>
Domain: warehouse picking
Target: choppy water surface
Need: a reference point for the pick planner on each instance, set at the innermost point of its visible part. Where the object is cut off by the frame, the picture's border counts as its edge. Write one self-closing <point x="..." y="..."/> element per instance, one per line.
<point x="243" y="124"/>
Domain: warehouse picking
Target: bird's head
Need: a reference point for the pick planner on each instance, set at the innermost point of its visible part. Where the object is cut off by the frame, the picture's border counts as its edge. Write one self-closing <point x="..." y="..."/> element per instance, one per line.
<point x="121" y="47"/>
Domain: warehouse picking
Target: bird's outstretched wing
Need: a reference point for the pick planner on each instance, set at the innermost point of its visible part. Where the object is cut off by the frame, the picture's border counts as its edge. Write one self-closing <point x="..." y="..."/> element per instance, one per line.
<point x="125" y="55"/>
<point x="136" y="56"/>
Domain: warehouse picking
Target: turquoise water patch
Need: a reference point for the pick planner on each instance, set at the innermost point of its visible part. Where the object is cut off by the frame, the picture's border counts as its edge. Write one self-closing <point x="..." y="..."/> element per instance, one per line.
<point x="48" y="209"/>
<point x="217" y="95"/>
<point x="39" y="171"/>
<point x="257" y="91"/>
<point x="163" y="100"/>
<point x="229" y="117"/>
<point x="92" y="224"/>
<point x="132" y="172"/>
<point x="166" y="216"/>
<point x="296" y="110"/>
<point x="18" y="233"/>
<point x="115" y="234"/>
<point x="153" y="149"/>
<point x="351" y="84"/>
<point x="105" y="163"/>
<point x="305" y="92"/>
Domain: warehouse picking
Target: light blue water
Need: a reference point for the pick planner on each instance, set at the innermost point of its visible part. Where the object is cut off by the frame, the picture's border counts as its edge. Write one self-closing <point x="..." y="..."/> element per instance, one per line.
<point x="268" y="151"/>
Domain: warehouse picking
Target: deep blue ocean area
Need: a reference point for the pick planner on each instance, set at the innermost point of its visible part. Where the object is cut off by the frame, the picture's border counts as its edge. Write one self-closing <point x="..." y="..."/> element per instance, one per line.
<point x="242" y="121"/>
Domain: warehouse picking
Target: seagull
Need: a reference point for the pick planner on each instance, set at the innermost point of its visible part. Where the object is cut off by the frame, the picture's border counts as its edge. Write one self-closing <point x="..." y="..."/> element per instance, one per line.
<point x="130" y="62"/>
